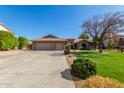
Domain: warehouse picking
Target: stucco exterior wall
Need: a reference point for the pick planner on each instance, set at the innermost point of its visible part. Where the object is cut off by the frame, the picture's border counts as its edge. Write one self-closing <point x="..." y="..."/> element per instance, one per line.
<point x="3" y="28"/>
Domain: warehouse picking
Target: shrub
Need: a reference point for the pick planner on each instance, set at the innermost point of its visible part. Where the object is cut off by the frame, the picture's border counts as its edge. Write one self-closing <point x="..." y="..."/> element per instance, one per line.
<point x="83" y="70"/>
<point x="80" y="48"/>
<point x="101" y="82"/>
<point x="111" y="45"/>
<point x="7" y="40"/>
<point x="67" y="49"/>
<point x="80" y="59"/>
<point x="23" y="42"/>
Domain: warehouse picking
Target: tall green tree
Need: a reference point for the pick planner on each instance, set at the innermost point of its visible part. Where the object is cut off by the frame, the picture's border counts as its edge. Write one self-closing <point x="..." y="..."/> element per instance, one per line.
<point x="16" y="42"/>
<point x="7" y="40"/>
<point x="23" y="42"/>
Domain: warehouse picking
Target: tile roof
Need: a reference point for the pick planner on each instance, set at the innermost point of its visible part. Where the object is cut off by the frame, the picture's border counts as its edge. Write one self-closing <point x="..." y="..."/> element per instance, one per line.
<point x="50" y="38"/>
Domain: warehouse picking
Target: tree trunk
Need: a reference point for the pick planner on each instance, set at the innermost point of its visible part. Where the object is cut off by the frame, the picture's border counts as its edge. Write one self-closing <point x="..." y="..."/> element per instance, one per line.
<point x="94" y="47"/>
<point x="101" y="41"/>
<point x="100" y="46"/>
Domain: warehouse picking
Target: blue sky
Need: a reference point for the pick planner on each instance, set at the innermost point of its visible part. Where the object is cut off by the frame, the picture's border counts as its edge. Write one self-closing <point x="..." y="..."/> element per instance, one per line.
<point x="38" y="21"/>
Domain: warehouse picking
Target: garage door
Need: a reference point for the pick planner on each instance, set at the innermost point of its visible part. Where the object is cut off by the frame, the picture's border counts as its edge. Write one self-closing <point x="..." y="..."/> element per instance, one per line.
<point x="44" y="46"/>
<point x="49" y="46"/>
<point x="59" y="46"/>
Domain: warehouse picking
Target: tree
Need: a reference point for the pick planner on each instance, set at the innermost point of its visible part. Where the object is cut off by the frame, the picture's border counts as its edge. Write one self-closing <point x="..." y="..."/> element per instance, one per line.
<point x="67" y="48"/>
<point x="7" y="40"/>
<point x="84" y="36"/>
<point x="101" y="26"/>
<point x="16" y="42"/>
<point x="23" y="42"/>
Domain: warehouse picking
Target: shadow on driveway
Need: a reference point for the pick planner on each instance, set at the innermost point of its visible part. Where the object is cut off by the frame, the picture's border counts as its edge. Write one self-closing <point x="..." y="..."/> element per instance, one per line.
<point x="66" y="74"/>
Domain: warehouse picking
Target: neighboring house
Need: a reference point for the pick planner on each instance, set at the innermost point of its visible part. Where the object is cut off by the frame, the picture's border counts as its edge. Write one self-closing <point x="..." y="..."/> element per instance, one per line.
<point x="49" y="42"/>
<point x="4" y="28"/>
<point x="118" y="40"/>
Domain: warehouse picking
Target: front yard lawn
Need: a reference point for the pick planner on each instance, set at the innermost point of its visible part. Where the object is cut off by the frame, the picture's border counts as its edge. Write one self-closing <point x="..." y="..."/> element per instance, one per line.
<point x="109" y="64"/>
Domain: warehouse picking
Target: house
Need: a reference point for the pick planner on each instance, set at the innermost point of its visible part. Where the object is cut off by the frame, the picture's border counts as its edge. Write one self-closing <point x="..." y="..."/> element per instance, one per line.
<point x="71" y="41"/>
<point x="4" y="28"/>
<point x="82" y="44"/>
<point x="79" y="43"/>
<point x="49" y="42"/>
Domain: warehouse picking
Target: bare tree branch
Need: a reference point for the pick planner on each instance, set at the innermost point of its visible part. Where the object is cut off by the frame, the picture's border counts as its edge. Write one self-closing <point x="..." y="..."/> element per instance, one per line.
<point x="100" y="26"/>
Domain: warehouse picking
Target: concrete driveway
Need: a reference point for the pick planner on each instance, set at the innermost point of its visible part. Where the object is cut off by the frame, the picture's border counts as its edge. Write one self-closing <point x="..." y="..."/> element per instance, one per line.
<point x="35" y="69"/>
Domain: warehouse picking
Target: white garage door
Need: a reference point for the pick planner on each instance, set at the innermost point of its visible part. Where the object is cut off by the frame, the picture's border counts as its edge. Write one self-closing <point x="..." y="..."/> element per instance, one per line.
<point x="49" y="46"/>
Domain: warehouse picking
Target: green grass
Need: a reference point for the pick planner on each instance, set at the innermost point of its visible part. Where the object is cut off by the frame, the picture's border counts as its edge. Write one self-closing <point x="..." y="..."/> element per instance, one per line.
<point x="109" y="64"/>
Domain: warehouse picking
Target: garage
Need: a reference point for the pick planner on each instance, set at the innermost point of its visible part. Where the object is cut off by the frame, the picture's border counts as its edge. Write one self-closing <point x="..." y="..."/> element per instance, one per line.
<point x="49" y="42"/>
<point x="49" y="46"/>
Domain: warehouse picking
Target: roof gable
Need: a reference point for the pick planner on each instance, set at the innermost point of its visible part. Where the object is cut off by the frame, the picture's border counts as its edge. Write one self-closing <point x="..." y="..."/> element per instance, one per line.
<point x="50" y="38"/>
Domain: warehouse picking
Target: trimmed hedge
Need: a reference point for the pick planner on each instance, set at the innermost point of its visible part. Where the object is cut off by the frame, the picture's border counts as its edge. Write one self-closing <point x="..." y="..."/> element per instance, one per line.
<point x="80" y="59"/>
<point x="23" y="42"/>
<point x="83" y="69"/>
<point x="7" y="40"/>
